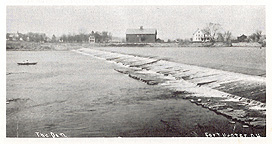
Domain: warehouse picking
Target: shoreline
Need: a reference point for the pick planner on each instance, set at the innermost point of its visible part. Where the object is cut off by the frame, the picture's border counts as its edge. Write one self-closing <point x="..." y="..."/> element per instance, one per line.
<point x="36" y="46"/>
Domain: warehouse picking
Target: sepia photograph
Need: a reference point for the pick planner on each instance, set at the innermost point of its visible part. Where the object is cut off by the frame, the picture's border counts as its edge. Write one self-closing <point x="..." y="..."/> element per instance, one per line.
<point x="135" y="71"/>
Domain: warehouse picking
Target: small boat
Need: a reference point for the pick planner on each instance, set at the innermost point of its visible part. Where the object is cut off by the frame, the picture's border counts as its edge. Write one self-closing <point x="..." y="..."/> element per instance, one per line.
<point x="232" y="122"/>
<point x="245" y="126"/>
<point x="27" y="63"/>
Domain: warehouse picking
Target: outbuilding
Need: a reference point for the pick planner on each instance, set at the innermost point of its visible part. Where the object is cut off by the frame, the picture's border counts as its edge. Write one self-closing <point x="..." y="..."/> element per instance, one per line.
<point x="141" y="35"/>
<point x="242" y="38"/>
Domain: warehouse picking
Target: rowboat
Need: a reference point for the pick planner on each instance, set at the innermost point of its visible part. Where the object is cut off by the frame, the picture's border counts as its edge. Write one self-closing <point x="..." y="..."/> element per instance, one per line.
<point x="27" y="63"/>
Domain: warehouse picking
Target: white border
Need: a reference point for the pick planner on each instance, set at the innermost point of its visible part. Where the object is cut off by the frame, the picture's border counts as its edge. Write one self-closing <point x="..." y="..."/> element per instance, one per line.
<point x="134" y="140"/>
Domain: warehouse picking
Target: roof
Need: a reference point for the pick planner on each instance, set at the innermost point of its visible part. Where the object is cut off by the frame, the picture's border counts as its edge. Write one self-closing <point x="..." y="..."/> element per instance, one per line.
<point x="141" y="31"/>
<point x="242" y="35"/>
<point x="200" y="31"/>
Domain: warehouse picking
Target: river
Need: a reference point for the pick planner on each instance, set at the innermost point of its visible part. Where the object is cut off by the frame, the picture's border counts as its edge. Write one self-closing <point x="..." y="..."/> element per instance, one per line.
<point x="76" y="95"/>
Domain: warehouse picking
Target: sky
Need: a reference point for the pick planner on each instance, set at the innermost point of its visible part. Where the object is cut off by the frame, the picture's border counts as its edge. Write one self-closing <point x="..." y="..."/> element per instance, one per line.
<point x="171" y="22"/>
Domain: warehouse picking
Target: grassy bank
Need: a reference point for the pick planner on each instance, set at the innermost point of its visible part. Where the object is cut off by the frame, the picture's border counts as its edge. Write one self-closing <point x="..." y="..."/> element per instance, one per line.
<point x="15" y="45"/>
<point x="184" y="44"/>
<point x="35" y="46"/>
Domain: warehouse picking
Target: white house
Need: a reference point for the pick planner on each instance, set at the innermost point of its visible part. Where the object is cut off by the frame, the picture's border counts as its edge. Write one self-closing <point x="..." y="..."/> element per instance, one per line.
<point x="91" y="39"/>
<point x="201" y="36"/>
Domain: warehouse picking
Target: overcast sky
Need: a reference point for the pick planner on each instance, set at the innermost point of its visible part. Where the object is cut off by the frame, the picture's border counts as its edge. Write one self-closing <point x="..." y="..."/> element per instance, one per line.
<point x="170" y="21"/>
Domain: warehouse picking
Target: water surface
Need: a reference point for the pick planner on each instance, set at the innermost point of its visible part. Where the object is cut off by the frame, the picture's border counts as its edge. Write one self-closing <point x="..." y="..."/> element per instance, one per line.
<point x="246" y="60"/>
<point x="81" y="96"/>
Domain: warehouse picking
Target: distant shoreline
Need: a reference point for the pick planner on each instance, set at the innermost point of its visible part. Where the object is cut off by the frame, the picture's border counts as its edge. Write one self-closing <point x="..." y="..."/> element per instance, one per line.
<point x="36" y="46"/>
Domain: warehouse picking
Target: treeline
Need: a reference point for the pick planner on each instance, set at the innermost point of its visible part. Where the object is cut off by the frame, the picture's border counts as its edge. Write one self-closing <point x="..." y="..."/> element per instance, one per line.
<point x="71" y="38"/>
<point x="215" y="33"/>
<point x="255" y="37"/>
<point x="31" y="37"/>
<point x="79" y="38"/>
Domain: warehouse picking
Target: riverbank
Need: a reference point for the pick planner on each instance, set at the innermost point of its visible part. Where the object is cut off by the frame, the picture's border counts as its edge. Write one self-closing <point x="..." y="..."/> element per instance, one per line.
<point x="35" y="46"/>
<point x="185" y="44"/>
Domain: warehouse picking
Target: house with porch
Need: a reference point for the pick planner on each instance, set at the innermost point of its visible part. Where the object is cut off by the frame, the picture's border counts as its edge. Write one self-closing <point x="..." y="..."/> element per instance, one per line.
<point x="201" y="36"/>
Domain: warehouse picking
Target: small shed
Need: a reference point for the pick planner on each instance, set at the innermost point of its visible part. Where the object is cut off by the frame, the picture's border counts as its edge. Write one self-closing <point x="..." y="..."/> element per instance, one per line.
<point x="141" y="35"/>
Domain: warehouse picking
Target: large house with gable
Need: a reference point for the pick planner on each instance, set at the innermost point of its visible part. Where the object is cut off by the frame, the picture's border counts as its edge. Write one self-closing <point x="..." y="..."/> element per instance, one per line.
<point x="201" y="36"/>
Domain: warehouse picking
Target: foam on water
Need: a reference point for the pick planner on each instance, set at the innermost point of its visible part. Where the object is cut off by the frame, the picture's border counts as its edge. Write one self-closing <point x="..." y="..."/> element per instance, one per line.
<point x="199" y="81"/>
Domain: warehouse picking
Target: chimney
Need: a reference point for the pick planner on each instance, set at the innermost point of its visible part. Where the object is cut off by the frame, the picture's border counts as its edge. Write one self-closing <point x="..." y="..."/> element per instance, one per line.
<point x="141" y="27"/>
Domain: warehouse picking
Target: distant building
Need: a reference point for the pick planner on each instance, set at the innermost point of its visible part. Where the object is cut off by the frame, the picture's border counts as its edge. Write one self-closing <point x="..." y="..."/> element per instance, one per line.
<point x="200" y="36"/>
<point x="141" y="35"/>
<point x="9" y="37"/>
<point x="12" y="36"/>
<point x="61" y="40"/>
<point x="91" y="39"/>
<point x="242" y="38"/>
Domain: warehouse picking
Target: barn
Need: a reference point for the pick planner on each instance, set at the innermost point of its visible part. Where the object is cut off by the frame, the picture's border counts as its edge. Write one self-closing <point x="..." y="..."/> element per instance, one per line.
<point x="141" y="35"/>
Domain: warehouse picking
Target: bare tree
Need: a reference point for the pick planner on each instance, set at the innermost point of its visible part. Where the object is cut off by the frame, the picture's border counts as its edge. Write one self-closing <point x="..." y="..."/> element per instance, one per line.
<point x="258" y="35"/>
<point x="255" y="37"/>
<point x="227" y="36"/>
<point x="212" y="29"/>
<point x="54" y="38"/>
<point x="220" y="37"/>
